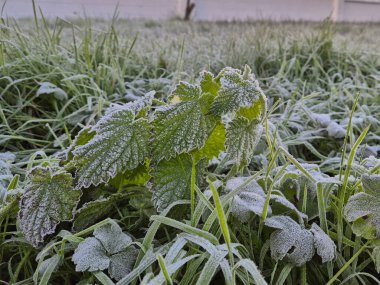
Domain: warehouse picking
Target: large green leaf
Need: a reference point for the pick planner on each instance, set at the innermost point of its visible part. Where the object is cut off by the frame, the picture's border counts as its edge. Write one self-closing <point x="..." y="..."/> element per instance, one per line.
<point x="49" y="198"/>
<point x="181" y="128"/>
<point x="121" y="143"/>
<point x="242" y="137"/>
<point x="172" y="180"/>
<point x="237" y="90"/>
<point x="363" y="209"/>
<point x="214" y="144"/>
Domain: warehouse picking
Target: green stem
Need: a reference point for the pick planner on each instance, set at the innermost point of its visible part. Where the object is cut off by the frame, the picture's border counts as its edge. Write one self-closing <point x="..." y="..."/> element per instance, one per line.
<point x="192" y="191"/>
<point x="352" y="259"/>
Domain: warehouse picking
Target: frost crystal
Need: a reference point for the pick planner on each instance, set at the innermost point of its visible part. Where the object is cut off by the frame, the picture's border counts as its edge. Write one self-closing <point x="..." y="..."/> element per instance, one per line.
<point x="363" y="209"/>
<point x="296" y="244"/>
<point x="237" y="90"/>
<point x="49" y="198"/>
<point x="121" y="143"/>
<point x="242" y="138"/>
<point x="250" y="199"/>
<point x="110" y="249"/>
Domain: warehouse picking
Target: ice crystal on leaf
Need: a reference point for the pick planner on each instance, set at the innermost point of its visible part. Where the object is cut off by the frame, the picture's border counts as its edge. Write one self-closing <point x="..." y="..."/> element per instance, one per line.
<point x="181" y="128"/>
<point x="296" y="244"/>
<point x="185" y="92"/>
<point x="363" y="209"/>
<point x="6" y="159"/>
<point x="110" y="248"/>
<point x="121" y="143"/>
<point x="237" y="90"/>
<point x="242" y="137"/>
<point x="250" y="199"/>
<point x="49" y="198"/>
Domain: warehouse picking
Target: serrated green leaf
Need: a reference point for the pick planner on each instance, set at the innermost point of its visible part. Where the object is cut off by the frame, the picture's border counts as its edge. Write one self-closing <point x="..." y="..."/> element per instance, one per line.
<point x="49" y="199"/>
<point x="214" y="144"/>
<point x="172" y="180"/>
<point x="242" y="138"/>
<point x="237" y="91"/>
<point x="121" y="143"/>
<point x="363" y="209"/>
<point x="208" y="83"/>
<point x="185" y="91"/>
<point x="181" y="128"/>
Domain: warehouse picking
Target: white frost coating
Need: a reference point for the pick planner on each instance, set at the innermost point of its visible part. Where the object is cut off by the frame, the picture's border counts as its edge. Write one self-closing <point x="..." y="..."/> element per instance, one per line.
<point x="90" y="256"/>
<point x="365" y="205"/>
<point x="110" y="249"/>
<point x="121" y="143"/>
<point x="186" y="91"/>
<point x="242" y="138"/>
<point x="50" y="88"/>
<point x="180" y="128"/>
<point x="135" y="106"/>
<point x="286" y="203"/>
<point x="6" y="159"/>
<point x="323" y="244"/>
<point x="250" y="199"/>
<point x="49" y="198"/>
<point x="290" y="241"/>
<point x="236" y="92"/>
<point x="333" y="128"/>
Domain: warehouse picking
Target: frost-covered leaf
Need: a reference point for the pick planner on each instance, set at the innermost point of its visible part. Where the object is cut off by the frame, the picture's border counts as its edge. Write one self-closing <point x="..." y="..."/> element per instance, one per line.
<point x="323" y="244"/>
<point x="172" y="179"/>
<point x="110" y="249"/>
<point x="6" y="159"/>
<point x="122" y="263"/>
<point x="121" y="143"/>
<point x="138" y="106"/>
<point x="112" y="238"/>
<point x="50" y="88"/>
<point x="185" y="91"/>
<point x="250" y="199"/>
<point x="363" y="209"/>
<point x="181" y="128"/>
<point x="214" y="144"/>
<point x="333" y="128"/>
<point x="49" y="198"/>
<point x="290" y="241"/>
<point x="208" y="83"/>
<point x="280" y="203"/>
<point x="237" y="90"/>
<point x="90" y="255"/>
<point x="242" y="138"/>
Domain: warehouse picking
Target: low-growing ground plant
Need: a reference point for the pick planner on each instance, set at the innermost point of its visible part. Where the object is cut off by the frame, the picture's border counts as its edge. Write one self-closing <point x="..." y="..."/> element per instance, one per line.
<point x="214" y="180"/>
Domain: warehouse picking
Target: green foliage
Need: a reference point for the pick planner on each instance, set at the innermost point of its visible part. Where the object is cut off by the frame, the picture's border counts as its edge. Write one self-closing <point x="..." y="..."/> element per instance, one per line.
<point x="362" y="208"/>
<point x="49" y="199"/>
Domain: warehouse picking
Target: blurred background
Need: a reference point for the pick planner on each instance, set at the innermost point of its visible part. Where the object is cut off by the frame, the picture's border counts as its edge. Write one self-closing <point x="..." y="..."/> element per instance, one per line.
<point x="207" y="10"/>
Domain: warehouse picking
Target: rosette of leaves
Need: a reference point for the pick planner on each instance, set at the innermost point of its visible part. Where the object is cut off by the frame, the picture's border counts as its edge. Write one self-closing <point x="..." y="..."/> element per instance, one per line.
<point x="296" y="244"/>
<point x="200" y="121"/>
<point x="362" y="209"/>
<point x="110" y="248"/>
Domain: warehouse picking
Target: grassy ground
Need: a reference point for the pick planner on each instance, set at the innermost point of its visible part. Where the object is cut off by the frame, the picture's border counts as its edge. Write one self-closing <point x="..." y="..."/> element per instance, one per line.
<point x="306" y="68"/>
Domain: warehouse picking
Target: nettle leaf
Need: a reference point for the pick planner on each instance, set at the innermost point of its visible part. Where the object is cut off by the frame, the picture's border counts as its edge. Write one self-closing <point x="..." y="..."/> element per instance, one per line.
<point x="242" y="138"/>
<point x="298" y="245"/>
<point x="121" y="143"/>
<point x="250" y="199"/>
<point x="110" y="248"/>
<point x="290" y="240"/>
<point x="181" y="128"/>
<point x="6" y="159"/>
<point x="363" y="209"/>
<point x="49" y="199"/>
<point x="208" y="83"/>
<point x="237" y="90"/>
<point x="185" y="92"/>
<point x="172" y="180"/>
<point x="214" y="144"/>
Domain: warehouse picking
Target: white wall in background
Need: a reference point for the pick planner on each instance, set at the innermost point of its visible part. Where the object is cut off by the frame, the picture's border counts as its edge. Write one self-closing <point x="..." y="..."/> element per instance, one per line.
<point x="208" y="10"/>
